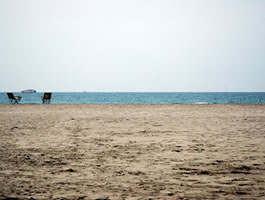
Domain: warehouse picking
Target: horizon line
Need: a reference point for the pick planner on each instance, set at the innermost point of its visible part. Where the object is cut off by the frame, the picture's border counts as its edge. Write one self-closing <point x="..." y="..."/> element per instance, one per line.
<point x="140" y="92"/>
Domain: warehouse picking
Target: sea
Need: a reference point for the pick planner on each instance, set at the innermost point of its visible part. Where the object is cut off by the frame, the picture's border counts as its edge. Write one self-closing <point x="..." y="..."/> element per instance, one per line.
<point x="141" y="98"/>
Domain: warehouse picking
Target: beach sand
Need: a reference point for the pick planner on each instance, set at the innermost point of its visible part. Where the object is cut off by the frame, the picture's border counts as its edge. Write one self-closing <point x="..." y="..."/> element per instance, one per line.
<point x="132" y="152"/>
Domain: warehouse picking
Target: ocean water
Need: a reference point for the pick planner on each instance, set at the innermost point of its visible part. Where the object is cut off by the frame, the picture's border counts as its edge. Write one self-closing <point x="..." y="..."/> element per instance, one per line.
<point x="143" y="98"/>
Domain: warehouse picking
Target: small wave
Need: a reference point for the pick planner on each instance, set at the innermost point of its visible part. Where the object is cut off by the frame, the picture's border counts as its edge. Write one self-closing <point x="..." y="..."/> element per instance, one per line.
<point x="202" y="103"/>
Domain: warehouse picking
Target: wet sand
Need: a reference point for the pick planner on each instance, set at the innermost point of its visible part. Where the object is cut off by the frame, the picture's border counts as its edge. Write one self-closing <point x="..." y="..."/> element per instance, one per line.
<point x="132" y="152"/>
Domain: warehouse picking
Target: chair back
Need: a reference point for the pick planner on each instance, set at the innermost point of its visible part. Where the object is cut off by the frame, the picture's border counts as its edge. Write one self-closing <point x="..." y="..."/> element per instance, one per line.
<point x="10" y="95"/>
<point x="47" y="95"/>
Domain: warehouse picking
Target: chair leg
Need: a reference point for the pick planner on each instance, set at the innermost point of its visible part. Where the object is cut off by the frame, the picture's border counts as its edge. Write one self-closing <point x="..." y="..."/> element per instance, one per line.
<point x="46" y="101"/>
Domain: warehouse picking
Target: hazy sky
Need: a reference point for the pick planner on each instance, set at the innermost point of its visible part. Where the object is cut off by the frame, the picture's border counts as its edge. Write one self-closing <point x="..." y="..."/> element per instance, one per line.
<point x="132" y="45"/>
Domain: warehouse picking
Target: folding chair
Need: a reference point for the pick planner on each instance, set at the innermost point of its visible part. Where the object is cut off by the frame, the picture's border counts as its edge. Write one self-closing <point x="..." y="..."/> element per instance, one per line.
<point x="46" y="98"/>
<point x="13" y="99"/>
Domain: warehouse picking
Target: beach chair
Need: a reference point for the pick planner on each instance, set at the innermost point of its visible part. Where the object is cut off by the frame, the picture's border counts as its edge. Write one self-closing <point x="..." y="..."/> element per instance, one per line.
<point x="46" y="98"/>
<point x="13" y="99"/>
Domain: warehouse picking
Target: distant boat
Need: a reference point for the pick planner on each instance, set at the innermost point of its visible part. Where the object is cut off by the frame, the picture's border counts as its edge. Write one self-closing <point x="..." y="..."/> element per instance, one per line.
<point x="29" y="91"/>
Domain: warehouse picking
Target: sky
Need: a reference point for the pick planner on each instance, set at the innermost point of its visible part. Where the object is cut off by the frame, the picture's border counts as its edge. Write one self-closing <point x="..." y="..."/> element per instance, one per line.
<point x="132" y="45"/>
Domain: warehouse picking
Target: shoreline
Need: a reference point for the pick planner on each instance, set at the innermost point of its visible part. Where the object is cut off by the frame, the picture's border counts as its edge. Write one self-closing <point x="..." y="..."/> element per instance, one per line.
<point x="135" y="104"/>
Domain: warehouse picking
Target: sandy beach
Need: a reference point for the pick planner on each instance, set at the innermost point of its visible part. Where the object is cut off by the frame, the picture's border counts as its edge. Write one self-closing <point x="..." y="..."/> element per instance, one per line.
<point x="145" y="152"/>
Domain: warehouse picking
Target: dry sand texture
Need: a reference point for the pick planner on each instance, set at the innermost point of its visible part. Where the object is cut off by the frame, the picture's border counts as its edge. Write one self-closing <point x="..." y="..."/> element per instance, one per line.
<point x="132" y="152"/>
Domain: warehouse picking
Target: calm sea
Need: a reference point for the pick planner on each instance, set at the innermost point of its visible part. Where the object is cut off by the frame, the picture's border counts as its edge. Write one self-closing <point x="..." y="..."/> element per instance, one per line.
<point x="142" y="98"/>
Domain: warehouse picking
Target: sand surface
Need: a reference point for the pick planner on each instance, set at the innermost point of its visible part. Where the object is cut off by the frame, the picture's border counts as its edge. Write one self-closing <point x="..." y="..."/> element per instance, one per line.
<point x="132" y="152"/>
